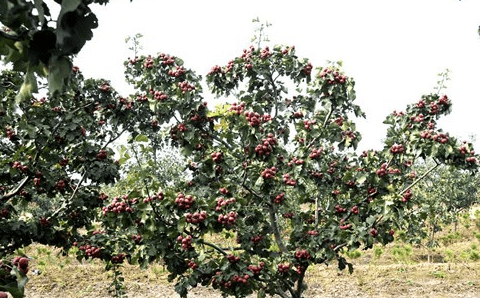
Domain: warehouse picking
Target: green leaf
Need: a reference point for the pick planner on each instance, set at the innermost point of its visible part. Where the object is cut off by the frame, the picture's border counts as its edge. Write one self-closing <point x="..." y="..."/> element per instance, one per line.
<point x="40" y="10"/>
<point x="59" y="70"/>
<point x="141" y="138"/>
<point x="28" y="87"/>
<point x="70" y="5"/>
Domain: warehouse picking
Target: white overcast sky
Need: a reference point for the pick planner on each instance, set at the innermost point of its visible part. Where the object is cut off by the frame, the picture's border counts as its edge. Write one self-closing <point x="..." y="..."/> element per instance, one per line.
<point x="393" y="49"/>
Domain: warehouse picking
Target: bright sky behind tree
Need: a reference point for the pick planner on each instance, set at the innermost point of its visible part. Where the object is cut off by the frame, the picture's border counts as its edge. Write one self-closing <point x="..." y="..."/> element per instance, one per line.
<point x="393" y="49"/>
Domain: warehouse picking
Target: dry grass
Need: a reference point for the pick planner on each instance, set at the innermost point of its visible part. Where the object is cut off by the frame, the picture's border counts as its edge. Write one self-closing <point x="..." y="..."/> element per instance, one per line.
<point x="400" y="271"/>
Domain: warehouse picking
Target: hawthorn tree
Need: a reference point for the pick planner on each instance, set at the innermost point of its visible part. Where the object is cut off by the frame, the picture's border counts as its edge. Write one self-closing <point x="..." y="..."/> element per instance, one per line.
<point x="55" y="156"/>
<point x="273" y="172"/>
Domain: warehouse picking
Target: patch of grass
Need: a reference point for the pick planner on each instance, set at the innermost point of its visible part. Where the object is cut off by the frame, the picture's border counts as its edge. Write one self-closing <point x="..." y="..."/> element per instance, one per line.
<point x="438" y="274"/>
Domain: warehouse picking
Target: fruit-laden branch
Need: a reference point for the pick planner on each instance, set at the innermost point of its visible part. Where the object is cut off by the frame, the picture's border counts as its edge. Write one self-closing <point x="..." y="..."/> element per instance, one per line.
<point x="421" y="178"/>
<point x="15" y="191"/>
<point x="413" y="184"/>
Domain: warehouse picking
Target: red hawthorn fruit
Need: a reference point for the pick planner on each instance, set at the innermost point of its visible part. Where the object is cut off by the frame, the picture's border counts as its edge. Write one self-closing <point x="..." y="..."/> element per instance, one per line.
<point x="23" y="263"/>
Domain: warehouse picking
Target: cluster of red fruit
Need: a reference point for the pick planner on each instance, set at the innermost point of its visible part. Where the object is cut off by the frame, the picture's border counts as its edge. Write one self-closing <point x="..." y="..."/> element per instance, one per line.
<point x="44" y="221"/>
<point x="426" y="134"/>
<point x="117" y="206"/>
<point x="102" y="155"/>
<point x="265" y="148"/>
<point x="136" y="238"/>
<point x="22" y="263"/>
<point x="56" y="109"/>
<point x="256" y="239"/>
<point x="382" y="170"/>
<point x="158" y="95"/>
<point x="184" y="201"/>
<point x="147" y="200"/>
<point x="10" y="133"/>
<point x="307" y="69"/>
<point x="308" y="123"/>
<point x="393" y="171"/>
<point x="223" y="191"/>
<point x="354" y="210"/>
<point x="221" y="202"/>
<point x="217" y="156"/>
<point x="339" y="209"/>
<point x="441" y="138"/>
<point x="265" y="53"/>
<point x="269" y="173"/>
<point x="196" y="217"/>
<point x="118" y="259"/>
<point x="407" y="196"/>
<point x="344" y="226"/>
<point x="296" y="161"/>
<point x="316" y="153"/>
<point x="279" y="198"/>
<point x="317" y="175"/>
<point x="434" y="108"/>
<point x="397" y="148"/>
<point x="348" y="133"/>
<point x="142" y="98"/>
<point x="227" y="219"/>
<point x="339" y="121"/>
<point x="443" y="100"/>
<point x="253" y="117"/>
<point x="373" y="232"/>
<point x="215" y="69"/>
<point x="297" y="115"/>
<point x="266" y="118"/>
<point x="186" y="242"/>
<point x="238" y="108"/>
<point x="104" y="87"/>
<point x="185" y="87"/>
<point x="134" y="60"/>
<point x="333" y="77"/>
<point x="256" y="270"/>
<point x="91" y="251"/>
<point x="64" y="162"/>
<point x="302" y="254"/>
<point x="4" y="213"/>
<point x="192" y="265"/>
<point x="148" y="62"/>
<point x="419" y="118"/>
<point x="289" y="215"/>
<point x="398" y="114"/>
<point x="312" y="233"/>
<point x="232" y="258"/>
<point x="166" y="59"/>
<point x="284" y="268"/>
<point x="288" y="180"/>
<point x="18" y="165"/>
<point x="61" y="184"/>
<point x="179" y="71"/>
<point x="240" y="279"/>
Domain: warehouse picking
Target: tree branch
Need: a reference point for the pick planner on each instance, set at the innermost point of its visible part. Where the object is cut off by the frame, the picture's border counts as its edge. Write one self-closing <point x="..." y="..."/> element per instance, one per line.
<point x="16" y="190"/>
<point x="276" y="231"/>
